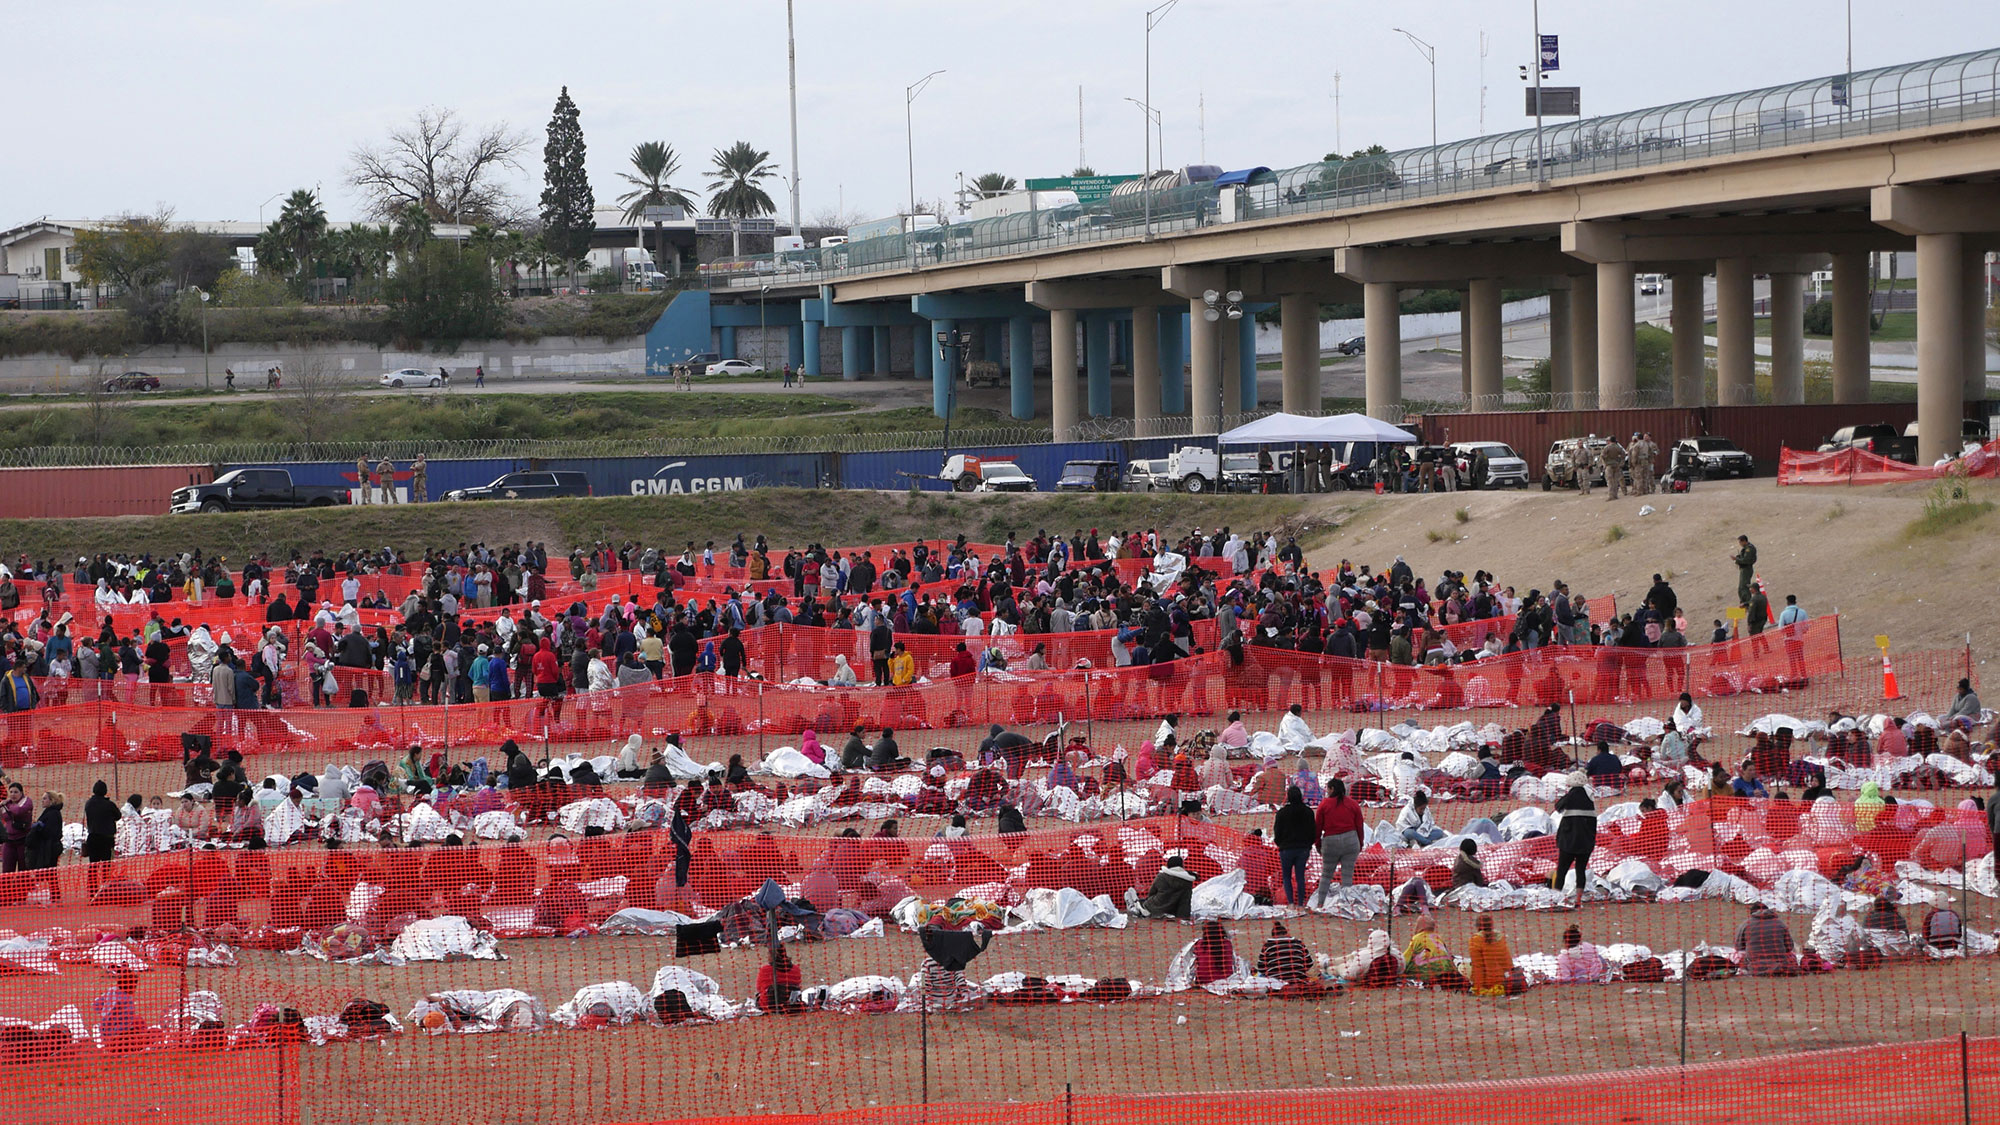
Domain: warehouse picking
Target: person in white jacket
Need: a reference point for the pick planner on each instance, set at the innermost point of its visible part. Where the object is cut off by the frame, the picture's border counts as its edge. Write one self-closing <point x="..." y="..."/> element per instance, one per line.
<point x="1414" y="823"/>
<point x="1293" y="731"/>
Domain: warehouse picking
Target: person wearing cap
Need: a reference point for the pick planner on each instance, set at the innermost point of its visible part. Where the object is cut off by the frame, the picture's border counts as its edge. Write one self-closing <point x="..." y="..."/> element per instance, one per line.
<point x="1640" y="456"/>
<point x="1576" y="833"/>
<point x="1614" y="457"/>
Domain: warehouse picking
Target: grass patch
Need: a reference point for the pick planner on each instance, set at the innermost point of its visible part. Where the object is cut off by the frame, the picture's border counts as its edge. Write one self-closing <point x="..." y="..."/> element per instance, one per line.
<point x="1614" y="533"/>
<point x="1836" y="510"/>
<point x="1895" y="326"/>
<point x="1948" y="505"/>
<point x="1463" y="515"/>
<point x="1436" y="536"/>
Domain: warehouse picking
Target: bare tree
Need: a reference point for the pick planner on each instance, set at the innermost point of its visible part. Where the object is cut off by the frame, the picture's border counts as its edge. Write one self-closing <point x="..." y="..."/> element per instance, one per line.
<point x="439" y="164"/>
<point x="102" y="416"/>
<point x="314" y="399"/>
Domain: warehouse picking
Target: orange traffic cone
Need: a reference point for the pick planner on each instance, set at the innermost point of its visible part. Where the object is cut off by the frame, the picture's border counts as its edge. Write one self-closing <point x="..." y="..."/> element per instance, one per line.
<point x="1889" y="688"/>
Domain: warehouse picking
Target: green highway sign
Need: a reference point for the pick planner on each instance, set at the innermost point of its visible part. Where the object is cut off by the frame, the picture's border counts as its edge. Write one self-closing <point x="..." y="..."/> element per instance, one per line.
<point x="1088" y="189"/>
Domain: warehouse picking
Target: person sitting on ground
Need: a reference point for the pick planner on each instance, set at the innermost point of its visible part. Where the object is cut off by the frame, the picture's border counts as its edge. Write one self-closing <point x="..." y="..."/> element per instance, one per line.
<point x="1414" y="824"/>
<point x="854" y="755"/>
<point x="1883" y="915"/>
<point x="1235" y="736"/>
<point x="1466" y="869"/>
<point x="1425" y="957"/>
<point x="1214" y="955"/>
<point x="778" y="983"/>
<point x="1285" y="958"/>
<point x="119" y="1027"/>
<point x="1605" y="767"/>
<point x="1766" y="945"/>
<point x="1492" y="961"/>
<point x="1170" y="896"/>
<point x="1579" y="961"/>
<point x="1009" y="821"/>
<point x="1943" y="929"/>
<point x="886" y="755"/>
<point x="1747" y="784"/>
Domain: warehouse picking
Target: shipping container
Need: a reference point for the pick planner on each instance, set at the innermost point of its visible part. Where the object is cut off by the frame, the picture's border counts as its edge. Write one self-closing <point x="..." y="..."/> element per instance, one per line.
<point x="1760" y="431"/>
<point x="108" y="490"/>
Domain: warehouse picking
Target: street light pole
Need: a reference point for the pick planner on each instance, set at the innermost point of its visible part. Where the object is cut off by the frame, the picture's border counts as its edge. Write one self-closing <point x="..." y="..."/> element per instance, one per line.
<point x="1217" y="307"/>
<point x="1153" y="117"/>
<point x="910" y="93"/>
<point x="1153" y="18"/>
<point x="204" y="339"/>
<point x="792" y="68"/>
<point x="1430" y="56"/>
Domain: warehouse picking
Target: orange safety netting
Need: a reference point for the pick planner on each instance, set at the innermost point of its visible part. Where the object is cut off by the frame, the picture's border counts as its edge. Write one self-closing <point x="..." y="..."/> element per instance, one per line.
<point x="1858" y="466"/>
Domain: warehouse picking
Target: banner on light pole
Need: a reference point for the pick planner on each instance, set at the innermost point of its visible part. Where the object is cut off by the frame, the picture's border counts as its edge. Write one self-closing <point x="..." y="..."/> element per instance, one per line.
<point x="1549" y="53"/>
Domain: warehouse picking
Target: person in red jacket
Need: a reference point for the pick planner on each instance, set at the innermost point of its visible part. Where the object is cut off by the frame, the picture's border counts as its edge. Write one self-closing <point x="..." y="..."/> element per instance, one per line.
<point x="1339" y="823"/>
<point x="778" y="983"/>
<point x="548" y="680"/>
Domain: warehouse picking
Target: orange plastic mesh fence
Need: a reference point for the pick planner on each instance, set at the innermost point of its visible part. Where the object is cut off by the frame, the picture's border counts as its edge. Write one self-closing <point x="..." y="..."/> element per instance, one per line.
<point x="1859" y="466"/>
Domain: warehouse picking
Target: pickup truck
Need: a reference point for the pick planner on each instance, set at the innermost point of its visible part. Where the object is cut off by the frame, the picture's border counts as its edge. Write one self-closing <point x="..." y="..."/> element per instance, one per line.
<point x="243" y="490"/>
<point x="1879" y="438"/>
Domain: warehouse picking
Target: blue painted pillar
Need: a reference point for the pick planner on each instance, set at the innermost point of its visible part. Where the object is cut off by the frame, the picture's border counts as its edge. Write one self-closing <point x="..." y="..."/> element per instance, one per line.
<point x="1173" y="359"/>
<point x="809" y="333"/>
<point x="729" y="342"/>
<point x="993" y="334"/>
<point x="882" y="364"/>
<point x="945" y="368"/>
<point x="1021" y="367"/>
<point x="1097" y="363"/>
<point x="850" y="353"/>
<point x="923" y="351"/>
<point x="1247" y="333"/>
<point x="795" y="345"/>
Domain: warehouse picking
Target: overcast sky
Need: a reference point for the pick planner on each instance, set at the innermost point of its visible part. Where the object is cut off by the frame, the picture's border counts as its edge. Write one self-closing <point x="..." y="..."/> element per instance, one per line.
<point x="211" y="107"/>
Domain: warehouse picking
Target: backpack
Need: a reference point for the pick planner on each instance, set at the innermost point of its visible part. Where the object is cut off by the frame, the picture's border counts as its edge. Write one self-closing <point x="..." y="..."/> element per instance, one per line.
<point x="1646" y="970"/>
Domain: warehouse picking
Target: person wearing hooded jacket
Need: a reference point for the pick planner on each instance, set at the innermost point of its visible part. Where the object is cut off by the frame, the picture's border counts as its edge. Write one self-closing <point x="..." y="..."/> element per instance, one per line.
<point x="1171" y="895"/>
<point x="1576" y="833"/>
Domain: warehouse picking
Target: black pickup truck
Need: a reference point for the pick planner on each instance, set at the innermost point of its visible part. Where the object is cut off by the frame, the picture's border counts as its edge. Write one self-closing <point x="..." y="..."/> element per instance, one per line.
<point x="243" y="490"/>
<point x="1879" y="438"/>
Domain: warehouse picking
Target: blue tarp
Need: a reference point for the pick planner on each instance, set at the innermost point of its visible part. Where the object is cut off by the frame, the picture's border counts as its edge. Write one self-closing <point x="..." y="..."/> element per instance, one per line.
<point x="1240" y="176"/>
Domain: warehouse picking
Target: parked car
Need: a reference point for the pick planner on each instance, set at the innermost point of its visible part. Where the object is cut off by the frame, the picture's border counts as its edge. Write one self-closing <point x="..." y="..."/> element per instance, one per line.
<point x="1148" y="475"/>
<point x="133" y="381"/>
<point x="410" y="377"/>
<point x="1560" y="469"/>
<point x="1879" y="438"/>
<point x="1353" y="345"/>
<point x="1503" y="468"/>
<point x="1709" y="458"/>
<point x="1089" y="476"/>
<point x="536" y="484"/>
<point x="700" y="360"/>
<point x="734" y="367"/>
<point x="970" y="473"/>
<point x="247" y="489"/>
<point x="1971" y="431"/>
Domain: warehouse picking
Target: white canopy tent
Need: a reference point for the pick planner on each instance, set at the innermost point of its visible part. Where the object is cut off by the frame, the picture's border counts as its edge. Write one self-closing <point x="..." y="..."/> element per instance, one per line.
<point x="1296" y="429"/>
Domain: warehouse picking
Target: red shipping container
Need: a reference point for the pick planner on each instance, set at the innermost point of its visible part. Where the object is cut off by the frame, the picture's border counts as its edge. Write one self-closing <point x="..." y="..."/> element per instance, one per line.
<point x="106" y="490"/>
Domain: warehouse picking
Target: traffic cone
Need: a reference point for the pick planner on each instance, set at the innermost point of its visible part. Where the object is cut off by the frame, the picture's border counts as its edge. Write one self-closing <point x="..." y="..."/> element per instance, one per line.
<point x="1889" y="688"/>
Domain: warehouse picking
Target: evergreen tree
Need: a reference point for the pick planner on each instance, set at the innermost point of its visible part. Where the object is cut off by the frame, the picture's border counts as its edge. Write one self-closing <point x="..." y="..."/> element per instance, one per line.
<point x="566" y="197"/>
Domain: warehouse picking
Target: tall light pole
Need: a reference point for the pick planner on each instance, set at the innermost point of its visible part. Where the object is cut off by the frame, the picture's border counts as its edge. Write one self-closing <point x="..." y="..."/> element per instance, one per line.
<point x="1153" y="18"/>
<point x="1430" y="56"/>
<point x="792" y="68"/>
<point x="1159" y="128"/>
<point x="910" y="93"/>
<point x="260" y="210"/>
<point x="1216" y="307"/>
<point x="204" y="339"/>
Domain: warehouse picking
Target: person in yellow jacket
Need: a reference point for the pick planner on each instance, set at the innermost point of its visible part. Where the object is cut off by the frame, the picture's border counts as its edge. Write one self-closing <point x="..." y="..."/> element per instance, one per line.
<point x="902" y="667"/>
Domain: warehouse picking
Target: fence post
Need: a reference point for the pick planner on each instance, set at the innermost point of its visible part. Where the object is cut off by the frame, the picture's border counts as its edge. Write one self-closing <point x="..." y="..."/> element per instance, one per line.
<point x="1965" y="1071"/>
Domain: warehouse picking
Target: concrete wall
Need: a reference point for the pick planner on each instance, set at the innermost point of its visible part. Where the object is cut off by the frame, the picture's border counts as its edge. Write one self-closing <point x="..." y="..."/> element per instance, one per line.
<point x="554" y="355"/>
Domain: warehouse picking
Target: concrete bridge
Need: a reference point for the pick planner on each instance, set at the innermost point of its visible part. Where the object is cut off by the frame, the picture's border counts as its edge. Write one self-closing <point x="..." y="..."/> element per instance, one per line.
<point x="1779" y="182"/>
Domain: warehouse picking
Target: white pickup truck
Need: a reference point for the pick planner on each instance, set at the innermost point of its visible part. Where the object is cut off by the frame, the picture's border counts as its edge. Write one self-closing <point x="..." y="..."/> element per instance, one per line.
<point x="1193" y="468"/>
<point x="971" y="473"/>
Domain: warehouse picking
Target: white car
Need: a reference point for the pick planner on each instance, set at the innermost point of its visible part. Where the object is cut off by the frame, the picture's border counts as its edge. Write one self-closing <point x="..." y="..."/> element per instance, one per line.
<point x="1504" y="467"/>
<point x="410" y="377"/>
<point x="735" y="367"/>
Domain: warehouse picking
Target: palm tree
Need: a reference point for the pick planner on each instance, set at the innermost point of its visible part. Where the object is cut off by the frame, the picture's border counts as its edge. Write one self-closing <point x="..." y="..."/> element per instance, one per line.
<point x="299" y="235"/>
<point x="655" y="162"/>
<point x="993" y="183"/>
<point x="735" y="194"/>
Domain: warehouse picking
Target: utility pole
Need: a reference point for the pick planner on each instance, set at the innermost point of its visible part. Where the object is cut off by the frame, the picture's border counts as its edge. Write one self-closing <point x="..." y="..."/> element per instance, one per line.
<point x="1482" y="81"/>
<point x="1541" y="173"/>
<point x="1201" y="123"/>
<point x="1153" y="18"/>
<point x="1080" y="161"/>
<point x="792" y="68"/>
<point x="1337" y="149"/>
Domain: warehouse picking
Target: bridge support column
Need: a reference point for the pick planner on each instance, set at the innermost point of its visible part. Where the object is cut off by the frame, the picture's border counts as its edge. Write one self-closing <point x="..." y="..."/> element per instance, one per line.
<point x="729" y="342"/>
<point x="1972" y="282"/>
<point x="1298" y="330"/>
<point x="883" y="365"/>
<point x="1560" y="368"/>
<point x="1145" y="370"/>
<point x="1246" y="363"/>
<point x="1851" y="359"/>
<point x="1735" y="361"/>
<point x="809" y="342"/>
<point x="1481" y="313"/>
<point x="1617" y="367"/>
<point x="795" y="345"/>
<point x="947" y="366"/>
<point x="1173" y="360"/>
<point x="1097" y="362"/>
<point x="923" y="352"/>
<point x="1384" y="378"/>
<point x="851" y="349"/>
<point x="1690" y="356"/>
<point x="1941" y="350"/>
<point x="1583" y="341"/>
<point x="1788" y="339"/>
<point x="1205" y="362"/>
<point x="1021" y="367"/>
<point x="1065" y="406"/>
